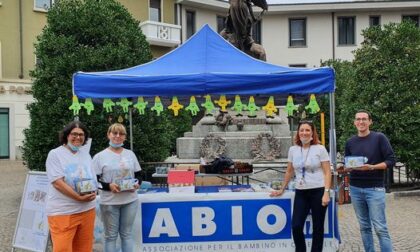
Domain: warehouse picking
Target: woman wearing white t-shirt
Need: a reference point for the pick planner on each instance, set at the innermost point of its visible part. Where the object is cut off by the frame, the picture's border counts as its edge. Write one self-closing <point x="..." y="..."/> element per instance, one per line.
<point x="309" y="162"/>
<point x="72" y="191"/>
<point x="117" y="169"/>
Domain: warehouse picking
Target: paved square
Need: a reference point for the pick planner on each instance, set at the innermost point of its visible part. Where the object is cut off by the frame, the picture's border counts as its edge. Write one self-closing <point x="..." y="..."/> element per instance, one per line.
<point x="403" y="214"/>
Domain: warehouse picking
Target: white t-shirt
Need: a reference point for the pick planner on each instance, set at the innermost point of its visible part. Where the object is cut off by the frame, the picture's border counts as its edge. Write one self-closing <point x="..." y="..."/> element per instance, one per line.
<point x="112" y="166"/>
<point x="307" y="165"/>
<point x="61" y="162"/>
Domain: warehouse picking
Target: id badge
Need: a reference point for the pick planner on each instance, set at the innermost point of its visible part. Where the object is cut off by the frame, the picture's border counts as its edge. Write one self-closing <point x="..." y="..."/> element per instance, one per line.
<point x="302" y="178"/>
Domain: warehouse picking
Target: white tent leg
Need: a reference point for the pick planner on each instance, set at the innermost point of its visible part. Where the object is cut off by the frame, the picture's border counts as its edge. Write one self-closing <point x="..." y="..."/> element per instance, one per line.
<point x="130" y="119"/>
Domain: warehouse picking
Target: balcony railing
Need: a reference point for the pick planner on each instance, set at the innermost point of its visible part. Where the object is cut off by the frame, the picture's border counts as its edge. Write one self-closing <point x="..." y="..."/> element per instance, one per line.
<point x="161" y="34"/>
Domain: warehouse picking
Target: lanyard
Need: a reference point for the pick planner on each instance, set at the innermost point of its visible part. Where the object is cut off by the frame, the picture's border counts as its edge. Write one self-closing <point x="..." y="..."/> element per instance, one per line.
<point x="304" y="162"/>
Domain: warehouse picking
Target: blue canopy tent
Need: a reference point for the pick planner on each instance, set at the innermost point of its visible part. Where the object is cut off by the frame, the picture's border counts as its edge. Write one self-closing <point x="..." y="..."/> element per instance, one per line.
<point x="208" y="64"/>
<point x="205" y="64"/>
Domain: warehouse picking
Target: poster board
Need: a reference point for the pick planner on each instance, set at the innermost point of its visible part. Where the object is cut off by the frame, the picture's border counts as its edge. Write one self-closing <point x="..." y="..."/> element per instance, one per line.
<point x="31" y="231"/>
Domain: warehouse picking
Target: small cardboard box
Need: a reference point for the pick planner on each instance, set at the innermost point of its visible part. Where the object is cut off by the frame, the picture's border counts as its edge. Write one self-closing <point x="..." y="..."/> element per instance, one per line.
<point x="181" y="181"/>
<point x="354" y="161"/>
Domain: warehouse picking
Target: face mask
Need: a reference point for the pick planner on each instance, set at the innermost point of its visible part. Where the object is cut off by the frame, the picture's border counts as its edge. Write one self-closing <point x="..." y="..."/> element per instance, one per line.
<point x="306" y="141"/>
<point x="73" y="148"/>
<point x="115" y="145"/>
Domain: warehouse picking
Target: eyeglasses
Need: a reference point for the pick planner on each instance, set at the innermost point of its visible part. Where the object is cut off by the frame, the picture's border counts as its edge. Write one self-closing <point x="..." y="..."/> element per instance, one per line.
<point x="361" y="119"/>
<point x="310" y="122"/>
<point x="118" y="133"/>
<point x="75" y="134"/>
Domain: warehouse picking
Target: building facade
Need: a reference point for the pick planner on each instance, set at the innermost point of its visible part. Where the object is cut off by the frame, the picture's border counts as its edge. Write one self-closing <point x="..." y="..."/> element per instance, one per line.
<point x="21" y="21"/>
<point x="293" y="32"/>
<point x="304" y="33"/>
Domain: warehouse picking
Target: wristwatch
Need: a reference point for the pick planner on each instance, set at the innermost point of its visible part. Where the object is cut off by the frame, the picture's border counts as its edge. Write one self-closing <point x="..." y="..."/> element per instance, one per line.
<point x="327" y="190"/>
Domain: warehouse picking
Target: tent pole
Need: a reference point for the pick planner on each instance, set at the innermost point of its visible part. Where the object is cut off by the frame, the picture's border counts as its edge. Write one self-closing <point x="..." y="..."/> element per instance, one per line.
<point x="333" y="141"/>
<point x="130" y="118"/>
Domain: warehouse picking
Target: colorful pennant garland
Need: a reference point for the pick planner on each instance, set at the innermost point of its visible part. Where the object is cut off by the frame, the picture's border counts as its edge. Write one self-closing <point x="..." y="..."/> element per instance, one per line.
<point x="108" y="104"/>
<point x="252" y="107"/>
<point x="141" y="105"/>
<point x="313" y="105"/>
<point x="238" y="106"/>
<point x="88" y="105"/>
<point x="158" y="107"/>
<point x="75" y="106"/>
<point x="223" y="103"/>
<point x="193" y="107"/>
<point x="270" y="108"/>
<point x="208" y="105"/>
<point x="175" y="106"/>
<point x="290" y="106"/>
<point x="124" y="103"/>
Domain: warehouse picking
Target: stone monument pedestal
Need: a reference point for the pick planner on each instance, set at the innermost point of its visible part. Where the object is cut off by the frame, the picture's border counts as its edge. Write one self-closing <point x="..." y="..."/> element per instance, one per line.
<point x="263" y="142"/>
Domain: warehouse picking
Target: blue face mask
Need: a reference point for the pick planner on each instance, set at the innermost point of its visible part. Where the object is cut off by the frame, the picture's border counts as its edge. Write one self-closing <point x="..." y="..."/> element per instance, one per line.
<point x="115" y="145"/>
<point x="73" y="148"/>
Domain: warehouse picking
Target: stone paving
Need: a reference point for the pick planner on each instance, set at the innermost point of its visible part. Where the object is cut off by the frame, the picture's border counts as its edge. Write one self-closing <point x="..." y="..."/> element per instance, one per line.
<point x="403" y="214"/>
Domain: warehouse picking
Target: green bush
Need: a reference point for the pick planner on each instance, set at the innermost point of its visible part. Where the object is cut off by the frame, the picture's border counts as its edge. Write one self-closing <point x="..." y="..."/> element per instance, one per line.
<point x="384" y="79"/>
<point x="88" y="36"/>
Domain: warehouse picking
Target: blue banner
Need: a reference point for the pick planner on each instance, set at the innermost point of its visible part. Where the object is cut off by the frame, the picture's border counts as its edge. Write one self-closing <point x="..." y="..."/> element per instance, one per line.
<point x="226" y="220"/>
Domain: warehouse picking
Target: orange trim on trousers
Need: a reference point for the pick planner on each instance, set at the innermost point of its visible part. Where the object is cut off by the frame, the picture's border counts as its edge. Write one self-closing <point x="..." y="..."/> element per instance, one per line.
<point x="72" y="232"/>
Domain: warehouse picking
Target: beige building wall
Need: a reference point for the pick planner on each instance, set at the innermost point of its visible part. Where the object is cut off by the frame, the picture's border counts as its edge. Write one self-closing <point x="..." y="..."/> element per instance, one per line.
<point x="9" y="38"/>
<point x="275" y="39"/>
<point x="138" y="8"/>
<point x="168" y="9"/>
<point x="202" y="17"/>
<point x="321" y="33"/>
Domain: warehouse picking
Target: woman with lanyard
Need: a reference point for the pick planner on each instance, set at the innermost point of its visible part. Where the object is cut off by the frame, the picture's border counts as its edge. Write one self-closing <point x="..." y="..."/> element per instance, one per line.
<point x="309" y="161"/>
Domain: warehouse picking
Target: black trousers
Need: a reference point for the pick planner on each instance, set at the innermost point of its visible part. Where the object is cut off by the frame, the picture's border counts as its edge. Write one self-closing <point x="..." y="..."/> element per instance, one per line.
<point x="305" y="200"/>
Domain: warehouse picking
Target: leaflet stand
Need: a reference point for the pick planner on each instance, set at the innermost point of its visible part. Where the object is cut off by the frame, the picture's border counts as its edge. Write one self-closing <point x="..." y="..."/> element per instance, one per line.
<point x="31" y="231"/>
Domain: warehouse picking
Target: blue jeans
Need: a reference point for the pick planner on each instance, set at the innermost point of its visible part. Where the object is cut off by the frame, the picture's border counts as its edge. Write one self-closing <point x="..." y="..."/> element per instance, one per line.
<point x="119" y="219"/>
<point x="369" y="205"/>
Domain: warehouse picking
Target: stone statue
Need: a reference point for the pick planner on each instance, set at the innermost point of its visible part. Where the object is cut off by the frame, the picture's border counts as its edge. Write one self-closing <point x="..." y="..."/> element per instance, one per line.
<point x="223" y="120"/>
<point x="239" y="21"/>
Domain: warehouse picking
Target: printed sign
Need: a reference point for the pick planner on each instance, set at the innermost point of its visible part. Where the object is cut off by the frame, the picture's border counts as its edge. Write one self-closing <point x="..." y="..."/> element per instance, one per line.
<point x="31" y="231"/>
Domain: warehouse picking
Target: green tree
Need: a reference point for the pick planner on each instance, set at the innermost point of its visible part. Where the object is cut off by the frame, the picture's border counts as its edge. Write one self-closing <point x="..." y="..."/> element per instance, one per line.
<point x="386" y="82"/>
<point x="344" y="73"/>
<point x="87" y="36"/>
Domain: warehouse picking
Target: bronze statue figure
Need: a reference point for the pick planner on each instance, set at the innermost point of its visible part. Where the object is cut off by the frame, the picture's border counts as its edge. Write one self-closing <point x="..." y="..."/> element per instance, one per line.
<point x="239" y="23"/>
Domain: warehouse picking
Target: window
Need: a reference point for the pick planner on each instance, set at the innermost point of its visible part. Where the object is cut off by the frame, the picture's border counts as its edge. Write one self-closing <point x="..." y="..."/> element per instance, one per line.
<point x="346" y="31"/>
<point x="413" y="18"/>
<point x="43" y="5"/>
<point x="256" y="32"/>
<point x="297" y="32"/>
<point x="190" y="23"/>
<point x="374" y="21"/>
<point x="220" y="23"/>
<point x="155" y="11"/>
